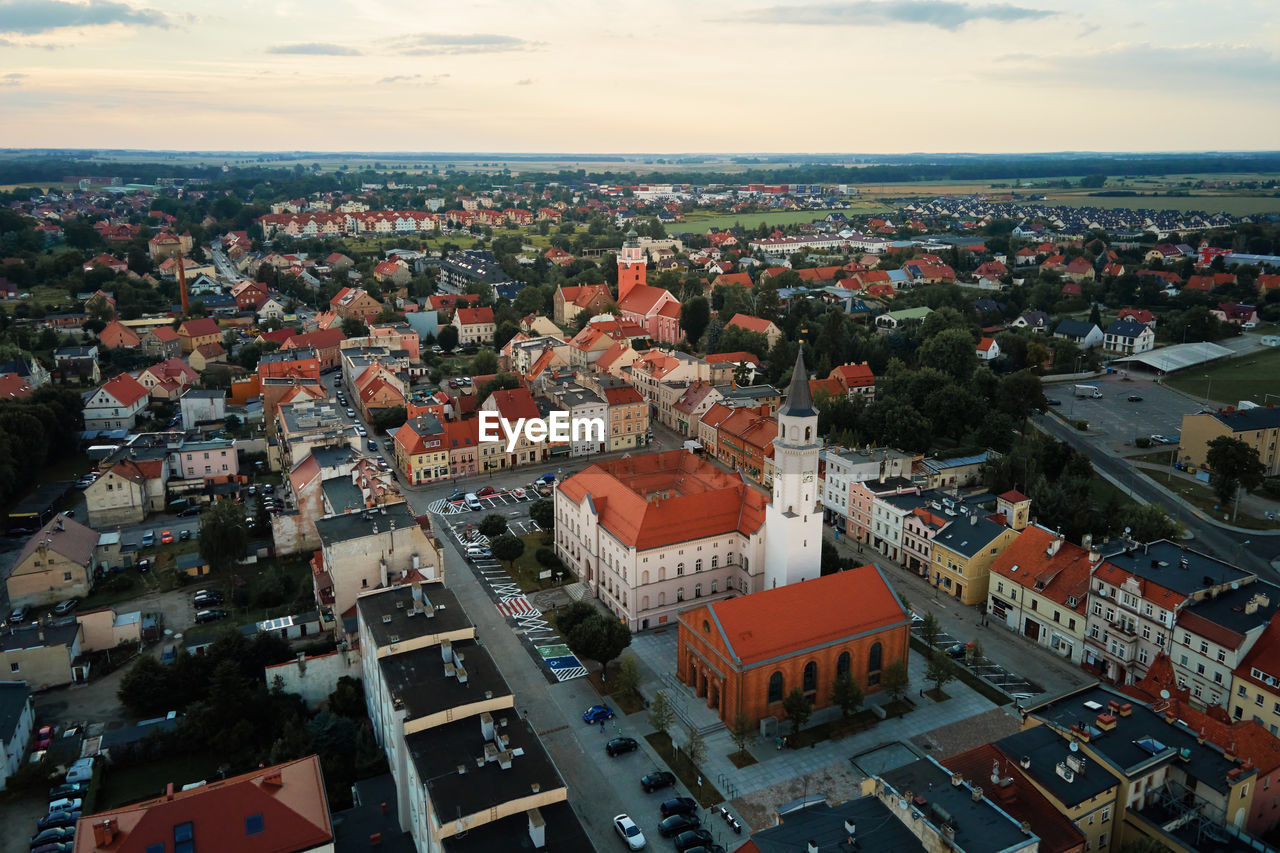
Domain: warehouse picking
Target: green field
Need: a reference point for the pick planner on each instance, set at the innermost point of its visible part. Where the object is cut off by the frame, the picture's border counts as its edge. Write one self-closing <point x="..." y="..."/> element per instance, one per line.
<point x="1236" y="205"/>
<point x="1248" y="377"/>
<point x="695" y="224"/>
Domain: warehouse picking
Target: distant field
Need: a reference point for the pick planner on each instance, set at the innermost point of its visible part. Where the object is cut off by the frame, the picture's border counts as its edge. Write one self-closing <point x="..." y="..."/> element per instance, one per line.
<point x="1247" y="377"/>
<point x="1236" y="205"/>
<point x="699" y="224"/>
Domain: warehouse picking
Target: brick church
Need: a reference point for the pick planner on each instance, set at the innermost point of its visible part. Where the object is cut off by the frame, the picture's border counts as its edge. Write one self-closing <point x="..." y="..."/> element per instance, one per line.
<point x="747" y="653"/>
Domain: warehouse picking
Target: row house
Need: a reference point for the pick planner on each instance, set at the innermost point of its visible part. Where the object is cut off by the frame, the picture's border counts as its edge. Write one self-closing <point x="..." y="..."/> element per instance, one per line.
<point x="513" y="405"/>
<point x="583" y="404"/>
<point x="421" y="450"/>
<point x="839" y="468"/>
<point x="326" y="343"/>
<point x="1212" y="637"/>
<point x="195" y="333"/>
<point x="964" y="551"/>
<point x="861" y="524"/>
<point x="475" y="326"/>
<point x="587" y="346"/>
<point x="628" y="414"/>
<point x="162" y="342"/>
<point x="569" y="302"/>
<point x="116" y="404"/>
<point x="355" y="303"/>
<point x="656" y="369"/>
<point x="1039" y="589"/>
<point x="741" y="438"/>
<point x="369" y="549"/>
<point x="1134" y="600"/>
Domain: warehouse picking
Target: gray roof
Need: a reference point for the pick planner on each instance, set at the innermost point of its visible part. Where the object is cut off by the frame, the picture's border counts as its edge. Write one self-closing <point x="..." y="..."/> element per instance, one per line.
<point x="877" y="828"/>
<point x="1243" y="420"/>
<point x="1163" y="562"/>
<point x="799" y="402"/>
<point x="968" y="536"/>
<point x="1042" y="748"/>
<point x="358" y="525"/>
<point x="13" y="699"/>
<point x="1126" y="328"/>
<point x="979" y="825"/>
<point x="1075" y="328"/>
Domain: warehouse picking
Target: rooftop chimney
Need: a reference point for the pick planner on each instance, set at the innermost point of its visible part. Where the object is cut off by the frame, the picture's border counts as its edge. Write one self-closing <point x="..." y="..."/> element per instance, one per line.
<point x="104" y="832"/>
<point x="812" y="847"/>
<point x="537" y="827"/>
<point x="168" y="791"/>
<point x="977" y="793"/>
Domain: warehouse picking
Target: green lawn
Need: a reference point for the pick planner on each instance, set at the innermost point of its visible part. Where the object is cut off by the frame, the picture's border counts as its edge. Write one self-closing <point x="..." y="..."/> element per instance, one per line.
<point x="696" y="223"/>
<point x="147" y="780"/>
<point x="1247" y="377"/>
<point x="1237" y="205"/>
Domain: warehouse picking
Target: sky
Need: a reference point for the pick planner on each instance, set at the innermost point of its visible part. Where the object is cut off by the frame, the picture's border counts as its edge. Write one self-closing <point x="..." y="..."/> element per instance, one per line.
<point x="660" y="76"/>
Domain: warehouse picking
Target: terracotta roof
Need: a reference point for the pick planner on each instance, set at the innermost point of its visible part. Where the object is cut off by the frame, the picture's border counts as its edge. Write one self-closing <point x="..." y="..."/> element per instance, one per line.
<point x="1014" y="496"/>
<point x="125" y="390"/>
<point x="751" y="324"/>
<point x="642" y="298"/>
<point x="788" y="619"/>
<point x="198" y="328"/>
<point x="854" y="375"/>
<point x="287" y="800"/>
<point x="515" y="403"/>
<point x="164" y="333"/>
<point x="621" y="395"/>
<point x="986" y="344"/>
<point x="474" y="316"/>
<point x="1264" y="656"/>
<point x="461" y="433"/>
<point x="12" y="385"/>
<point x="704" y="501"/>
<point x="320" y="339"/>
<point x="734" y="357"/>
<point x="830" y="386"/>
<point x="582" y="295"/>
<point x="212" y="350"/>
<point x="1058" y="577"/>
<point x="736" y="279"/>
<point x="612" y="354"/>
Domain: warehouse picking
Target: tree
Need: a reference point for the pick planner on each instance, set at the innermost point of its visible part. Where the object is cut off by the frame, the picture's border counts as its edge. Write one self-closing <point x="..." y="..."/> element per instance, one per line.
<point x="507" y="548"/>
<point x="492" y="525"/>
<point x="741" y="731"/>
<point x="695" y="747"/>
<point x="695" y="315"/>
<point x="929" y="629"/>
<point x="573" y="615"/>
<point x="973" y="651"/>
<point x="386" y="420"/>
<point x="846" y="693"/>
<point x="224" y="538"/>
<point x="661" y="714"/>
<point x="628" y="678"/>
<point x="895" y="679"/>
<point x="600" y="638"/>
<point x="1095" y="315"/>
<point x="447" y="338"/>
<point x="145" y="687"/>
<point x="798" y="710"/>
<point x="952" y="351"/>
<point x="503" y="381"/>
<point x="261" y="518"/>
<point x="347" y="699"/>
<point x="1150" y="522"/>
<point x="354" y="327"/>
<point x="543" y="514"/>
<point x="484" y="363"/>
<point x="940" y="670"/>
<point x="1235" y="465"/>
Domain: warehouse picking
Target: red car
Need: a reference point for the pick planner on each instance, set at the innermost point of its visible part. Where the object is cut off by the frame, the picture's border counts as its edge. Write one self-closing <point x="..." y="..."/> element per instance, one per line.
<point x="487" y="491"/>
<point x="44" y="737"/>
<point x="166" y="538"/>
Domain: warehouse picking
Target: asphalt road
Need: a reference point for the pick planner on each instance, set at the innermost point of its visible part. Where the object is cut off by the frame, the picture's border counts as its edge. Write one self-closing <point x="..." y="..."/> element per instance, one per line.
<point x="1256" y="556"/>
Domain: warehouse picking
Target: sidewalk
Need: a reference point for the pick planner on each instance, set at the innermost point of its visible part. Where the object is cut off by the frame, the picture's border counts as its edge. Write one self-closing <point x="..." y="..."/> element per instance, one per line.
<point x="999" y="644"/>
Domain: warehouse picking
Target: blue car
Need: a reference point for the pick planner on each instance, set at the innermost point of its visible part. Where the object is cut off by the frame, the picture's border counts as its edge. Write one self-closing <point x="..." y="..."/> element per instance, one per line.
<point x="597" y="714"/>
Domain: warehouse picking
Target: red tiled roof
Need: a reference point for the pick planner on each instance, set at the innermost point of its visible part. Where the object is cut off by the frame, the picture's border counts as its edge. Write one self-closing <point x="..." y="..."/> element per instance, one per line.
<point x="212" y="350"/>
<point x="751" y="324"/>
<point x="289" y="797"/>
<point x="986" y="344"/>
<point x="515" y="403"/>
<point x="830" y="386"/>
<point x="461" y="433"/>
<point x="164" y="334"/>
<point x="582" y="295"/>
<point x="125" y="390"/>
<point x="853" y="375"/>
<point x="789" y="619"/>
<point x="198" y="328"/>
<point x="642" y="298"/>
<point x="1057" y="576"/>
<point x="1014" y="496"/>
<point x="474" y="316"/>
<point x="704" y="501"/>
<point x="735" y="279"/>
<point x="622" y="395"/>
<point x="320" y="339"/>
<point x="12" y="385"/>
<point x="734" y="357"/>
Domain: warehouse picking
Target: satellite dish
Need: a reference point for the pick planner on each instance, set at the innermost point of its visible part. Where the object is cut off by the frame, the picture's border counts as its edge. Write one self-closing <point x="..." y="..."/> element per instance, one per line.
<point x="1126" y="530"/>
<point x="1235" y="585"/>
<point x="1164" y="694"/>
<point x="1075" y="747"/>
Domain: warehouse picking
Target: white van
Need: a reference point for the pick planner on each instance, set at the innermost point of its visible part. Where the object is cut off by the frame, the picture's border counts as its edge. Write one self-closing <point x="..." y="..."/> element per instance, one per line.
<point x="473" y="502"/>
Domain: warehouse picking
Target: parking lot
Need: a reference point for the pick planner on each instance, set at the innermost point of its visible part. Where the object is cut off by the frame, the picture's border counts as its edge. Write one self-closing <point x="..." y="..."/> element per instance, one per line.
<point x="458" y="503"/>
<point x="1114" y="420"/>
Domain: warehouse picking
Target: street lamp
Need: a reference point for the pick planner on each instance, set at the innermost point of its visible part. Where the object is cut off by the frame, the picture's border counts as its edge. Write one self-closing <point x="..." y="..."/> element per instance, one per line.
<point x="1207" y="387"/>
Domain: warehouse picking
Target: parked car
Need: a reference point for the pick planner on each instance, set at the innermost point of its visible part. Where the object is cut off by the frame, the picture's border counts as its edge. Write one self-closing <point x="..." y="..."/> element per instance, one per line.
<point x="148" y="539"/>
<point x="679" y="805"/>
<point x="473" y="502"/>
<point x="692" y="838"/>
<point x="657" y="780"/>
<point x="597" y="714"/>
<point x="211" y="615"/>
<point x="184" y="535"/>
<point x="628" y="831"/>
<point x="487" y="491"/>
<point x="19" y="613"/>
<point x="55" y="847"/>
<point x="75" y="789"/>
<point x="204" y="602"/>
<point x="351" y="413"/>
<point x="1053" y="401"/>
<point x="620" y="745"/>
<point x="166" y="537"/>
<point x="58" y="819"/>
<point x="53" y="836"/>
<point x="189" y="511"/>
<point x="1134" y="398"/>
<point x="44" y="737"/>
<point x="144" y="565"/>
<point x="81" y="770"/>
<point x="706" y="848"/>
<point x="65" y="804"/>
<point x="678" y="823"/>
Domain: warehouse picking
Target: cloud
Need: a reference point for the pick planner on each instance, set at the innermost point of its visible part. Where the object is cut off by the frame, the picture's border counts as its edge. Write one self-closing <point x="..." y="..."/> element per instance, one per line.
<point x="1144" y="66"/>
<point x="314" y="48"/>
<point x="527" y="81"/>
<point x="944" y="14"/>
<point x="39" y="16"/>
<point x="13" y="78"/>
<point x="415" y="79"/>
<point x="454" y="44"/>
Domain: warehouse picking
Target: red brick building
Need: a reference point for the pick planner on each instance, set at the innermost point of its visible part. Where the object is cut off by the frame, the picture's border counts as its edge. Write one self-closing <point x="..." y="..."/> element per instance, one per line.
<point x="747" y="653"/>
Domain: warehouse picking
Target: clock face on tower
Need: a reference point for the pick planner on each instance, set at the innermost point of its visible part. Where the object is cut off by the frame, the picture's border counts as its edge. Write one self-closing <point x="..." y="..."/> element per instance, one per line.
<point x="807" y="478"/>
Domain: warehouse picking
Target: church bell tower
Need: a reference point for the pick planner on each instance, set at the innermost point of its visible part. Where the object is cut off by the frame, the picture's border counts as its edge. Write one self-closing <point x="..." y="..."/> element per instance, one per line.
<point x="793" y="521"/>
<point x="632" y="266"/>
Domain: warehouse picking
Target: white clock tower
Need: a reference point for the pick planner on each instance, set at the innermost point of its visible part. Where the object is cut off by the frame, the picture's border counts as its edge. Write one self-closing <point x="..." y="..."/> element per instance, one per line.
<point x="793" y="522"/>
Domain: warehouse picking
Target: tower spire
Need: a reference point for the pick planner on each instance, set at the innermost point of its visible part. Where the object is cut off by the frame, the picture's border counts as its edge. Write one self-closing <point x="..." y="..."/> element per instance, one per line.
<point x="799" y="401"/>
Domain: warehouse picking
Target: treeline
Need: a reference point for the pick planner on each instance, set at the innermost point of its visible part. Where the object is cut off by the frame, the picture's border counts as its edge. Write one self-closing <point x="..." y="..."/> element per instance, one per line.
<point x="34" y="431"/>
